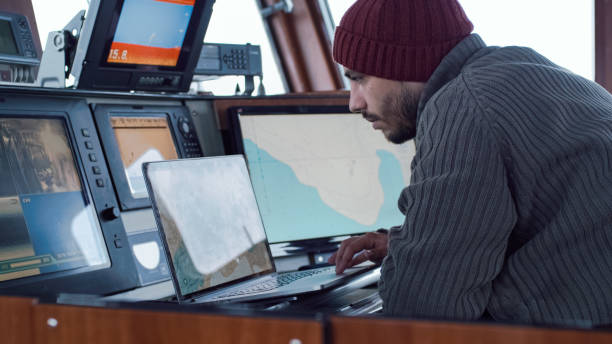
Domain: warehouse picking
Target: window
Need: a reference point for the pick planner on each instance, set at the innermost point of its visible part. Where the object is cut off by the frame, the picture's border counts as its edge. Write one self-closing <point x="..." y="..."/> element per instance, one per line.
<point x="338" y="7"/>
<point x="239" y="22"/>
<point x="562" y="30"/>
<point x="54" y="15"/>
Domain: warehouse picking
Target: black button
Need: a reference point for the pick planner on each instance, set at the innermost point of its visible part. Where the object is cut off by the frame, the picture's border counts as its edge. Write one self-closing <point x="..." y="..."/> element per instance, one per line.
<point x="118" y="243"/>
<point x="88" y="145"/>
<point x="111" y="213"/>
<point x="93" y="157"/>
<point x="97" y="170"/>
<point x="100" y="182"/>
<point x="85" y="132"/>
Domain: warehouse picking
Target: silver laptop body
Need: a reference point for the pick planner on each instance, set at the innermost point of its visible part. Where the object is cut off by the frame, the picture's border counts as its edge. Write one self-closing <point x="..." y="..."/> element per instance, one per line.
<point x="214" y="237"/>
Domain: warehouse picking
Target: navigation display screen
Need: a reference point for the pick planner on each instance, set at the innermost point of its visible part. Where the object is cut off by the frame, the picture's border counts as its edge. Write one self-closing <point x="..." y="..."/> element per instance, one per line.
<point x="150" y="32"/>
<point x="323" y="175"/>
<point x="7" y="40"/>
<point x="142" y="139"/>
<point x="48" y="223"/>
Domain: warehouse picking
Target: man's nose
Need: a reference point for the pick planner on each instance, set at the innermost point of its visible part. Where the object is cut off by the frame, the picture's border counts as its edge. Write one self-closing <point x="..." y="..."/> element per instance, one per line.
<point x="357" y="103"/>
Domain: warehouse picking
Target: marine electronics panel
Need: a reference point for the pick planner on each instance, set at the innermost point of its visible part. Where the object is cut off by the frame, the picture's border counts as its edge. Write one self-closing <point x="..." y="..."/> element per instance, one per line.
<point x="19" y="59"/>
<point x="61" y="230"/>
<point x="151" y="45"/>
<point x="132" y="135"/>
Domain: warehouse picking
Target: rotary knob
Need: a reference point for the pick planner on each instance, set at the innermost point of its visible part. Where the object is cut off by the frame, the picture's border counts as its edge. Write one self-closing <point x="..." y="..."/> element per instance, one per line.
<point x="184" y="127"/>
<point x="111" y="213"/>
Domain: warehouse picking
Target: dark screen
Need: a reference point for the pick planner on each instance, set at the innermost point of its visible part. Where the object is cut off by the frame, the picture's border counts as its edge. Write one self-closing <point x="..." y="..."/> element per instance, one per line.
<point x="7" y="40"/>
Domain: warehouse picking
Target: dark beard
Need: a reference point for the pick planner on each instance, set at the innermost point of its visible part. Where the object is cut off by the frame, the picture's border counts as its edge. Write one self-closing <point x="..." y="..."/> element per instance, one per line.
<point x="406" y="105"/>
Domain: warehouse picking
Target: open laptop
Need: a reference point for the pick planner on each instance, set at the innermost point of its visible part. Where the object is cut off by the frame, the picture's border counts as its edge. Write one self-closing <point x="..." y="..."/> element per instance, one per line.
<point x="214" y="237"/>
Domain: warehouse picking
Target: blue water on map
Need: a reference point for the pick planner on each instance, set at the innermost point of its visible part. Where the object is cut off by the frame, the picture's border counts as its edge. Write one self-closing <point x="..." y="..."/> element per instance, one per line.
<point x="294" y="211"/>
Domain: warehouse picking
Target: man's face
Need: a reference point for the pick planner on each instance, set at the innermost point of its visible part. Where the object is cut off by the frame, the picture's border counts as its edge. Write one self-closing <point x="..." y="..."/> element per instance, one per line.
<point x="390" y="105"/>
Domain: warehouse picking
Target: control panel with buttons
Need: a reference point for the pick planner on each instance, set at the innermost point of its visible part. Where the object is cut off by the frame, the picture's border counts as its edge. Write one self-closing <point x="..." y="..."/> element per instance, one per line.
<point x="159" y="80"/>
<point x="189" y="140"/>
<point x="229" y="59"/>
<point x="75" y="127"/>
<point x="175" y="121"/>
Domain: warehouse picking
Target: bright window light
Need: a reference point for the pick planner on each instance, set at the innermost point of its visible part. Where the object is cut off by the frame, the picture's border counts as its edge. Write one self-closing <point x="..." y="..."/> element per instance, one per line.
<point x="239" y="22"/>
<point x="561" y="30"/>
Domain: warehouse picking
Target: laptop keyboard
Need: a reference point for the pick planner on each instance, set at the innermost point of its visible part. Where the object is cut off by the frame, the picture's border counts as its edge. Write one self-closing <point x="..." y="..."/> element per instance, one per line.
<point x="282" y="279"/>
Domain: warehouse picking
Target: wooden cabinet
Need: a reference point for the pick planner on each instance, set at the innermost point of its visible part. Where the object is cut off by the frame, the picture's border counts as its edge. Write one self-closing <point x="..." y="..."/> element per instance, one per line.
<point x="26" y="321"/>
<point x="72" y="324"/>
<point x="388" y="331"/>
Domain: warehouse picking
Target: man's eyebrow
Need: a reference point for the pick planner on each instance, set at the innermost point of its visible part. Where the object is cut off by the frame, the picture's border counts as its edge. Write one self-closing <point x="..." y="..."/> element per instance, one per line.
<point x="351" y="74"/>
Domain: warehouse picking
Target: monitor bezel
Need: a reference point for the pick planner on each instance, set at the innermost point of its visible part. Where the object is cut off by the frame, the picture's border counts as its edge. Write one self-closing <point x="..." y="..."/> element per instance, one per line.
<point x="92" y="66"/>
<point x="102" y="116"/>
<point x="308" y="245"/>
<point x="120" y="272"/>
<point x="13" y="27"/>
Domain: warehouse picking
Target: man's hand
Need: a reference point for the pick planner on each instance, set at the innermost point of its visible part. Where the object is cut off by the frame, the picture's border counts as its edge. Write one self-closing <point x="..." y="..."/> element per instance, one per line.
<point x="373" y="247"/>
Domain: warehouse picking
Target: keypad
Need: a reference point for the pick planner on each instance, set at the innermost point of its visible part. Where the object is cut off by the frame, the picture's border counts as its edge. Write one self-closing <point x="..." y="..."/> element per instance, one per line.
<point x="192" y="149"/>
<point x="277" y="281"/>
<point x="236" y="59"/>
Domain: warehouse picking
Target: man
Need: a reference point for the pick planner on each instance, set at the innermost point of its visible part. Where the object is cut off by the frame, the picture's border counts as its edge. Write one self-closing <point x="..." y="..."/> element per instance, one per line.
<point x="509" y="209"/>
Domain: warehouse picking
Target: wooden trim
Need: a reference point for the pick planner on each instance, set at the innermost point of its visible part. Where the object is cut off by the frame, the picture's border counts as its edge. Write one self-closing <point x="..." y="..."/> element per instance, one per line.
<point x="28" y="322"/>
<point x="389" y="331"/>
<point x="320" y="98"/>
<point x="303" y="47"/>
<point x="125" y="326"/>
<point x="603" y="43"/>
<point x="16" y="322"/>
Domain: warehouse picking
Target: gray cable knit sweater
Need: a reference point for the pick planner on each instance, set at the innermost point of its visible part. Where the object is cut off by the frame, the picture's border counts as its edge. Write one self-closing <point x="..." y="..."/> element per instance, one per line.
<point x="509" y="209"/>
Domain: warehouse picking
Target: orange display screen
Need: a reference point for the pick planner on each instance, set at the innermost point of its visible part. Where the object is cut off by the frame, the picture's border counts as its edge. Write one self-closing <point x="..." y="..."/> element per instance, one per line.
<point x="150" y="32"/>
<point x="142" y="139"/>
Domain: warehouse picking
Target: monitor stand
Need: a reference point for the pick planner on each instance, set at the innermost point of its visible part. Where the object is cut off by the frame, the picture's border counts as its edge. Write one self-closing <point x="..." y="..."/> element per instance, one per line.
<point x="306" y="253"/>
<point x="320" y="245"/>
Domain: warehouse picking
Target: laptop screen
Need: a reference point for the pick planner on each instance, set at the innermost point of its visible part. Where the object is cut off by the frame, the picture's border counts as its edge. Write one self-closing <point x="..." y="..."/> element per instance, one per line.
<point x="208" y="215"/>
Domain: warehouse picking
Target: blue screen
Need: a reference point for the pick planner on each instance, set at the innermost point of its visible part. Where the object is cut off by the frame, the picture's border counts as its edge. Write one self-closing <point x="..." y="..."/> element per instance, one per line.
<point x="48" y="223"/>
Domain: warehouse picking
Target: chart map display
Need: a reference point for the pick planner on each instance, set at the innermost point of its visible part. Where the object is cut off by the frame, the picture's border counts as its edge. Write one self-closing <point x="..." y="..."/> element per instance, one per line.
<point x="322" y="175"/>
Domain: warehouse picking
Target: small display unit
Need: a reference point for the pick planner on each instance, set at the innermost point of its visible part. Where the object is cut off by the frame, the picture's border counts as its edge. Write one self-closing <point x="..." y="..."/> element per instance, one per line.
<point x="18" y="57"/>
<point x="150" y="45"/>
<point x="61" y="231"/>
<point x="132" y="135"/>
<point x="320" y="172"/>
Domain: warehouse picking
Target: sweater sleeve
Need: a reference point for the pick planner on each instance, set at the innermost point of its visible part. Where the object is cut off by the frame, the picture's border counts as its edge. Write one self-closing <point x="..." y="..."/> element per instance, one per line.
<point x="459" y="215"/>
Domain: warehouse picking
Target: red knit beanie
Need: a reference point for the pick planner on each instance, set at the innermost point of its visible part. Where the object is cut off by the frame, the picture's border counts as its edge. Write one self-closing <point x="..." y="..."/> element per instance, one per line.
<point x="402" y="40"/>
